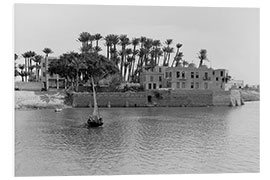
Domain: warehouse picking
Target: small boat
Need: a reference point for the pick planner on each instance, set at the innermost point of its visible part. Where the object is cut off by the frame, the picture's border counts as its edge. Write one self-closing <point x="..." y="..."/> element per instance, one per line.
<point x="94" y="121"/>
<point x="58" y="109"/>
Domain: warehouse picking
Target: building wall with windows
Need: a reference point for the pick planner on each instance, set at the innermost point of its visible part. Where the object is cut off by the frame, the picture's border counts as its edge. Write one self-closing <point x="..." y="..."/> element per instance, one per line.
<point x="153" y="78"/>
<point x="193" y="78"/>
<point x="185" y="78"/>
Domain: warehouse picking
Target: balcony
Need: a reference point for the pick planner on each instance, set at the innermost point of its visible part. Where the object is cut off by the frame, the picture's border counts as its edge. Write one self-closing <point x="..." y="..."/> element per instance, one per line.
<point x="206" y="78"/>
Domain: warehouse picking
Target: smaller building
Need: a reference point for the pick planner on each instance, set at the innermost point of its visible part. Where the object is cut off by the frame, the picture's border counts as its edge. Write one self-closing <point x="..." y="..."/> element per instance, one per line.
<point x="153" y="78"/>
<point x="235" y="84"/>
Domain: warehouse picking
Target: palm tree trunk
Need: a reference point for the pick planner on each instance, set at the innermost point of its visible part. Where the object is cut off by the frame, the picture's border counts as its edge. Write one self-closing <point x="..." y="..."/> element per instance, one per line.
<point x="77" y="81"/>
<point x="95" y="112"/>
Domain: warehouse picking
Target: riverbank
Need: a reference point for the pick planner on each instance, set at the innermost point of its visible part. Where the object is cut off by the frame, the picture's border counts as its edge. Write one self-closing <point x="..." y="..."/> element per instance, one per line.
<point x="58" y="99"/>
<point x="250" y="95"/>
<point x="40" y="100"/>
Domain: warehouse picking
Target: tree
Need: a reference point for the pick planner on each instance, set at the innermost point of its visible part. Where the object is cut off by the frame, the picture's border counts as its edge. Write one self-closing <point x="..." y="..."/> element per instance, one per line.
<point x="37" y="59"/>
<point x="97" y="67"/>
<point x="26" y="55"/>
<point x="22" y="73"/>
<point x="97" y="38"/>
<point x="47" y="51"/>
<point x="177" y="57"/>
<point x="84" y="38"/>
<point x="16" y="72"/>
<point x="202" y="56"/>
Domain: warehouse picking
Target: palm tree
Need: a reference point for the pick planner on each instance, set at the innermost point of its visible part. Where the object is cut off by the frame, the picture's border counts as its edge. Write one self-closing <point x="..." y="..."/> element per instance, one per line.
<point x="22" y="73"/>
<point x="26" y="56"/>
<point x="124" y="41"/>
<point x="84" y="38"/>
<point x="168" y="51"/>
<point x="135" y="42"/>
<point x="202" y="56"/>
<point x="178" y="46"/>
<point x="32" y="54"/>
<point x="115" y="41"/>
<point x="97" y="38"/>
<point x="47" y="51"/>
<point x="108" y="43"/>
<point x="37" y="59"/>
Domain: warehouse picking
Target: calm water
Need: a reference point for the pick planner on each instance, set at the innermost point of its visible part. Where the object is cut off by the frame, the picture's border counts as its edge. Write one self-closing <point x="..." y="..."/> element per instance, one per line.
<point x="138" y="141"/>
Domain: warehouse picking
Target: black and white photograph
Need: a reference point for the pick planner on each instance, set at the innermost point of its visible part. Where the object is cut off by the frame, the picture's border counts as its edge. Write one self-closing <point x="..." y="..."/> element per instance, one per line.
<point x="135" y="90"/>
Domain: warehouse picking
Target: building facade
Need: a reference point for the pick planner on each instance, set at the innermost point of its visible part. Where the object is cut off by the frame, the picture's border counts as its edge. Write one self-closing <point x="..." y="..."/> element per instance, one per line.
<point x="185" y="78"/>
<point x="153" y="78"/>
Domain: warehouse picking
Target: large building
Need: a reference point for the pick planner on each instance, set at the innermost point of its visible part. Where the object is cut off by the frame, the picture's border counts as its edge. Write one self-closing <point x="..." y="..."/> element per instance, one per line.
<point x="185" y="78"/>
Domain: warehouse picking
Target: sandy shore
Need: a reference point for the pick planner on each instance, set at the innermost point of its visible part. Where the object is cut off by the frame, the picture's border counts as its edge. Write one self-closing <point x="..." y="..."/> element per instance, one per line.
<point x="39" y="100"/>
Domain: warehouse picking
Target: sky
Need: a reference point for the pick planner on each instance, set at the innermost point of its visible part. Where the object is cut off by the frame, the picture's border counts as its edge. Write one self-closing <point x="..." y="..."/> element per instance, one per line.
<point x="230" y="35"/>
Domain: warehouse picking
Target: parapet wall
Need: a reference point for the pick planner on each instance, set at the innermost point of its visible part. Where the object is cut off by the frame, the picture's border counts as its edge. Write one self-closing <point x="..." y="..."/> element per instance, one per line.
<point x="172" y="98"/>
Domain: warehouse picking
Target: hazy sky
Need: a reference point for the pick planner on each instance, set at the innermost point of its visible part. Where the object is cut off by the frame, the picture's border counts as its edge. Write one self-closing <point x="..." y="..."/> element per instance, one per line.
<point x="230" y="35"/>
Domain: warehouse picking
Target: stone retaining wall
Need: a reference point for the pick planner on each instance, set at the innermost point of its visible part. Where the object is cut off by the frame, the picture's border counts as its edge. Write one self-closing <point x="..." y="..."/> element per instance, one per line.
<point x="175" y="98"/>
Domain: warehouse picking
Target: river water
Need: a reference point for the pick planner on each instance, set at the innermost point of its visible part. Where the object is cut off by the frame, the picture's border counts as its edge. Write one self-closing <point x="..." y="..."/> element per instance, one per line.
<point x="138" y="141"/>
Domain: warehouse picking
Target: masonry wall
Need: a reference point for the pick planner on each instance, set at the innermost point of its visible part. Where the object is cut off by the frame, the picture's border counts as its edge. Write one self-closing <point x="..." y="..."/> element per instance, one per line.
<point x="182" y="98"/>
<point x="114" y="99"/>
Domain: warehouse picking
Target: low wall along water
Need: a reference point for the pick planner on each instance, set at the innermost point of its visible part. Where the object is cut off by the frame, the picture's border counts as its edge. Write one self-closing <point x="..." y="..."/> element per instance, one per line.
<point x="183" y="98"/>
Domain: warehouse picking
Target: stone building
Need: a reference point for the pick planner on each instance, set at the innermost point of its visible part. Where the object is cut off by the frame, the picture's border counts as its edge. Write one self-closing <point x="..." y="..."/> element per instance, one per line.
<point x="153" y="78"/>
<point x="185" y="78"/>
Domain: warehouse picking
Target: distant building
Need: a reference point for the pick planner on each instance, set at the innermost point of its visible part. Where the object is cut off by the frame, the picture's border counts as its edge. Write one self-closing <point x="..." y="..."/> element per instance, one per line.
<point x="153" y="78"/>
<point x="185" y="78"/>
<point x="54" y="81"/>
<point x="236" y="84"/>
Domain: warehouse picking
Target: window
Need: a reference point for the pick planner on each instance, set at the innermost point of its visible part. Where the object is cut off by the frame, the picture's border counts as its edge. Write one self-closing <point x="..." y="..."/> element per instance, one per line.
<point x="154" y="86"/>
<point x="192" y="74"/>
<point x="160" y="78"/>
<point x="149" y="86"/>
<point x="44" y="74"/>
<point x="166" y="75"/>
<point x="151" y="78"/>
<point x="206" y="85"/>
<point x="197" y="85"/>
<point x="221" y="73"/>
<point x="178" y="85"/>
<point x="216" y="78"/>
<point x="43" y="64"/>
<point x="177" y="74"/>
<point x="160" y="86"/>
<point x="183" y="74"/>
<point x="197" y="75"/>
<point x="213" y="73"/>
<point x="170" y="74"/>
<point x="206" y="75"/>
<point x="183" y="84"/>
<point x="159" y="69"/>
<point x="192" y="85"/>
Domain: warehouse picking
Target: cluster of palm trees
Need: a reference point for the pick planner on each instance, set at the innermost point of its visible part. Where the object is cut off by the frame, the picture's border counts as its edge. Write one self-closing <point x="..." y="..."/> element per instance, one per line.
<point x="134" y="54"/>
<point x="32" y="61"/>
